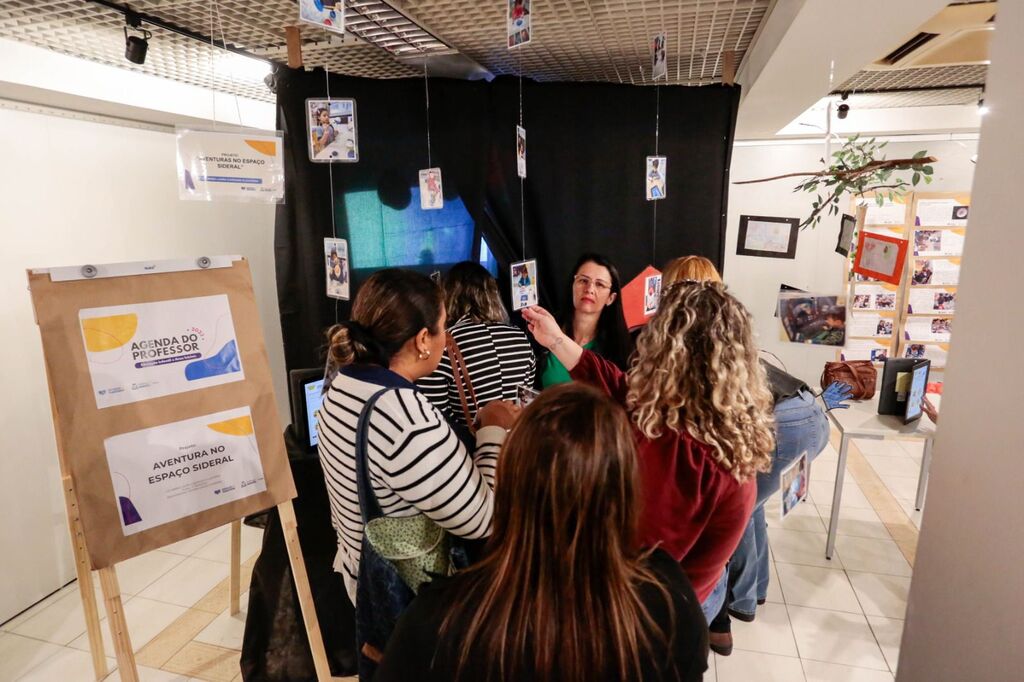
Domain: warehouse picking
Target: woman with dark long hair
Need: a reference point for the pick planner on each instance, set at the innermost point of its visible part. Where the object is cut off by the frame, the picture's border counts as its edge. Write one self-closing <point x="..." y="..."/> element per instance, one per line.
<point x="563" y="594"/>
<point x="595" y="321"/>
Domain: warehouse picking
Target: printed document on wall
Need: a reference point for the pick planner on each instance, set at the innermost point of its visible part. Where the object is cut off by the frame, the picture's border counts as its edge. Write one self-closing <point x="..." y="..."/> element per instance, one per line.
<point x="168" y="472"/>
<point x="147" y="350"/>
<point x="214" y="166"/>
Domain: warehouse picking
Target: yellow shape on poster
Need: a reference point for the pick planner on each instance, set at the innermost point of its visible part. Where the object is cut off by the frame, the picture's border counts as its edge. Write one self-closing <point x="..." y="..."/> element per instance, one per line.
<point x="239" y="426"/>
<point x="107" y="333"/>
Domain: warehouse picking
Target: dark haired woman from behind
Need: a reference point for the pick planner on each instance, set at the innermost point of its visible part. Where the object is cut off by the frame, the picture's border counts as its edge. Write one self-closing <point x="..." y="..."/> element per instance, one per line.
<point x="497" y="357"/>
<point x="564" y="594"/>
<point x="415" y="463"/>
<point x="596" y="321"/>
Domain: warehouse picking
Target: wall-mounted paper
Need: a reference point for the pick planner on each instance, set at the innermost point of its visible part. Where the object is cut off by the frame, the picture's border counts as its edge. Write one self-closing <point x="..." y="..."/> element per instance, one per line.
<point x="865" y="349"/>
<point x="928" y="328"/>
<point x="230" y="166"/>
<point x="938" y="242"/>
<point x="811" y="318"/>
<point x="147" y="350"/>
<point x="870" y="324"/>
<point x="941" y="213"/>
<point x="931" y="301"/>
<point x="873" y="297"/>
<point x="889" y="213"/>
<point x="936" y="352"/>
<point x="168" y="472"/>
<point x="936" y="271"/>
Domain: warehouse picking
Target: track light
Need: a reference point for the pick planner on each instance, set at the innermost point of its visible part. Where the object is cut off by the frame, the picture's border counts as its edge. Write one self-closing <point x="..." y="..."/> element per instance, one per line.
<point x="135" y="46"/>
<point x="843" y="110"/>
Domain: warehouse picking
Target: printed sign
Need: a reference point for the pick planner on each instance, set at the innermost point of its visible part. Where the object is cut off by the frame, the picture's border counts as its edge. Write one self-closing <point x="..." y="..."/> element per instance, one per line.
<point x="175" y="470"/>
<point x="147" y="350"/>
<point x="232" y="166"/>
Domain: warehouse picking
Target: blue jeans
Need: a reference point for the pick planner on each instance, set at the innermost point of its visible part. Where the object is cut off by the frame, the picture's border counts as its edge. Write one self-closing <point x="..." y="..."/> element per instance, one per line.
<point x="800" y="425"/>
<point x="716" y="600"/>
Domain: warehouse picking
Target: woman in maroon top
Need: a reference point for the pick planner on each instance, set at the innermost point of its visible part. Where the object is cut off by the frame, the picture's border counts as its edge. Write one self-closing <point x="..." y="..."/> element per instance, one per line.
<point x="702" y="414"/>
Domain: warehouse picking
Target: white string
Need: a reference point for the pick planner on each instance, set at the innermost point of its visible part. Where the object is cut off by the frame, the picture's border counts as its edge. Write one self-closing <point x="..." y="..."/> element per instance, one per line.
<point x="213" y="67"/>
<point x="330" y="164"/>
<point x="223" y="41"/>
<point x="522" y="196"/>
<point x="657" y="138"/>
<point x="426" y="90"/>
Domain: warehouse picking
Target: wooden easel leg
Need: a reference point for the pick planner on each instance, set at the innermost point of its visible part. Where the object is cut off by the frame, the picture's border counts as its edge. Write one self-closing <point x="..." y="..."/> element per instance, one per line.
<point x="290" y="527"/>
<point x="118" y="625"/>
<point x="236" y="567"/>
<point x="85" y="584"/>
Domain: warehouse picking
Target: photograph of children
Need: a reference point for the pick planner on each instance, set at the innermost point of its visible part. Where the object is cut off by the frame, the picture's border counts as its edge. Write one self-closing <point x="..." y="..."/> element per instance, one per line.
<point x="526" y="395"/>
<point x="813" y="319"/>
<point x="519" y="22"/>
<point x="328" y="14"/>
<point x="659" y="61"/>
<point x="914" y="351"/>
<point x="942" y="325"/>
<point x="794" y="483"/>
<point x="879" y="354"/>
<point x="945" y="300"/>
<point x="657" y="167"/>
<point x="885" y="301"/>
<point x="524" y="284"/>
<point x="521" y="151"/>
<point x="862" y="301"/>
<point x="331" y="130"/>
<point x="927" y="241"/>
<point x="431" y="193"/>
<point x="336" y="263"/>
<point x="652" y="294"/>
<point x="884" y="328"/>
<point x="922" y="271"/>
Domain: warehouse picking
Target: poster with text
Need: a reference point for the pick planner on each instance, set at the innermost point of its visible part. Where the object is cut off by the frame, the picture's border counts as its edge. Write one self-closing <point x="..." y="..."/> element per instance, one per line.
<point x="331" y="130"/>
<point x="938" y="242"/>
<point x="520" y="22"/>
<point x="874" y="297"/>
<point x="147" y="350"/>
<point x="941" y="213"/>
<point x="865" y="349"/>
<point x="928" y="328"/>
<point x="889" y="213"/>
<point x="934" y="271"/>
<point x="936" y="352"/>
<point x="931" y="301"/>
<point x="336" y="263"/>
<point x="214" y="166"/>
<point x="168" y="472"/>
<point x="871" y="324"/>
<point x="328" y="14"/>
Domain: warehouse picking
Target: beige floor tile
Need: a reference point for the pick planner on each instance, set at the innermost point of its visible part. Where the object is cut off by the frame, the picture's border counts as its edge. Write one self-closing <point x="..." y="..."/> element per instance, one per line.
<point x="822" y="588"/>
<point x="774" y="595"/>
<point x="822" y="493"/>
<point x="147" y="674"/>
<point x="187" y="582"/>
<point x="888" y="631"/>
<point x="173" y="638"/>
<point x="863" y="523"/>
<point x="816" y="671"/>
<point x="146" y="619"/>
<point x="219" y="549"/>
<point x="836" y="637"/>
<point x="803" y="517"/>
<point x="880" y="448"/>
<point x="872" y="555"/>
<point x="138" y="573"/>
<point x="796" y="547"/>
<point x="902" y="487"/>
<point x="894" y="466"/>
<point x="19" y="655"/>
<point x="67" y="664"/>
<point x="34" y="609"/>
<point x="59" y="622"/>
<point x="770" y="633"/>
<point x="881" y="595"/>
<point x="190" y="546"/>
<point x="225" y="631"/>
<point x="743" y="666"/>
<point x="205" y="662"/>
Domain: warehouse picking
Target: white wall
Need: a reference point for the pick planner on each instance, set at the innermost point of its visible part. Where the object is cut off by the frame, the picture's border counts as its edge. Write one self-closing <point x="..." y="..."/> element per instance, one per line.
<point x="965" y="616"/>
<point x="817" y="267"/>
<point x="75" y="192"/>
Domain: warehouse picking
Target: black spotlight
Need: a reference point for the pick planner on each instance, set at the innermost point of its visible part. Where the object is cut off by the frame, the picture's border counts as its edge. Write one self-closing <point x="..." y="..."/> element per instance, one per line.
<point x="135" y="46"/>
<point x="844" y="109"/>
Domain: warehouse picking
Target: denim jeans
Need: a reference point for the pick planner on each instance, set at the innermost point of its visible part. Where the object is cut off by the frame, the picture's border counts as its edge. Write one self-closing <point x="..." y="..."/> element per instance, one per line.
<point x="800" y="425"/>
<point x="716" y="600"/>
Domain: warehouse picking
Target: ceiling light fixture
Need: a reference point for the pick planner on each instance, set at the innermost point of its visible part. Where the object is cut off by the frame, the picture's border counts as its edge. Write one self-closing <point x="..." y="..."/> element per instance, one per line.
<point x="135" y="46"/>
<point x="843" y="110"/>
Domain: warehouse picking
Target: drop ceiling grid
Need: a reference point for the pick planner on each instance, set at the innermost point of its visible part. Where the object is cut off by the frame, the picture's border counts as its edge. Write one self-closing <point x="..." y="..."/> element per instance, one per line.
<point x="922" y="77"/>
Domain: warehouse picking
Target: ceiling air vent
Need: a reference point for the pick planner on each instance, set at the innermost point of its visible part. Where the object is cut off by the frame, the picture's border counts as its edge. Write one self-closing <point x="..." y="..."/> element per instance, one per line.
<point x="908" y="47"/>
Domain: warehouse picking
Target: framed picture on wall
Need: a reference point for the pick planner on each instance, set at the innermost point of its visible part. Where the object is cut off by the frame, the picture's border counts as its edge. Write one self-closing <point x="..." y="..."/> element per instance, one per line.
<point x="767" y="237"/>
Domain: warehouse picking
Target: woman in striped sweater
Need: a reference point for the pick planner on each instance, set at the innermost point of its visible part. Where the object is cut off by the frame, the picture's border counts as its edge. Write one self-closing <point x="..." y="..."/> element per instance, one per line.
<point x="498" y="356"/>
<point x="416" y="463"/>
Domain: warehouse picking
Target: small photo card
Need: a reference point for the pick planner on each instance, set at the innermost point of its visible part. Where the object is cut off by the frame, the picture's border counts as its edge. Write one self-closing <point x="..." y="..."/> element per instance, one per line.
<point x="336" y="264"/>
<point x="520" y="18"/>
<point x="328" y="14"/>
<point x="657" y="168"/>
<point x="846" y="228"/>
<point x="331" y="130"/>
<point x="652" y="294"/>
<point x="431" y="192"/>
<point x="521" y="151"/>
<point x="659" y="61"/>
<point x="526" y="395"/>
<point x="767" y="236"/>
<point x="524" y="284"/>
<point x="794" y="483"/>
<point x="880" y="257"/>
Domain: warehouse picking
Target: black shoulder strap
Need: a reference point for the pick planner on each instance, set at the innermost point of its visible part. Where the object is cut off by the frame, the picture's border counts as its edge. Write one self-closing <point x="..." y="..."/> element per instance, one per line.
<point x="368" y="505"/>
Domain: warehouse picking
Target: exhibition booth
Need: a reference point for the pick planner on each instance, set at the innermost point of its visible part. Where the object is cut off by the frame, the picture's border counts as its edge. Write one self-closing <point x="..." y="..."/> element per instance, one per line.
<point x="189" y="223"/>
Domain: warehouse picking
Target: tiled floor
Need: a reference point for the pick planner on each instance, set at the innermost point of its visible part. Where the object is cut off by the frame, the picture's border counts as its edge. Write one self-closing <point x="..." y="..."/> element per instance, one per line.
<point x="825" y="621"/>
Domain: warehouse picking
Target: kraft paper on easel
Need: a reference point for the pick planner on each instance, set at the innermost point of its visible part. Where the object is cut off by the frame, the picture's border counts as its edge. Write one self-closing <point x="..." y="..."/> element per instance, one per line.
<point x="215" y="437"/>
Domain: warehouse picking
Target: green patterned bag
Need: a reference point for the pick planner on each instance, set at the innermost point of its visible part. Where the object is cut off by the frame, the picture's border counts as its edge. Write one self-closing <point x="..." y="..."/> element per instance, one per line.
<point x="418" y="547"/>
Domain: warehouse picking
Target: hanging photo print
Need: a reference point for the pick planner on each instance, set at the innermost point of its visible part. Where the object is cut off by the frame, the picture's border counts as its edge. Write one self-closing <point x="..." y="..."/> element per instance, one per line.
<point x="880" y="257"/>
<point x="524" y="284"/>
<point x="431" y="194"/>
<point x="521" y="151"/>
<point x="328" y="14"/>
<point x="846" y="228"/>
<point x="652" y="294"/>
<point x="657" y="167"/>
<point x="659" y="62"/>
<point x="795" y="482"/>
<point x="809" y="318"/>
<point x="331" y="130"/>
<point x="215" y="166"/>
<point x="336" y="263"/>
<point x="520" y="29"/>
<point x="767" y="237"/>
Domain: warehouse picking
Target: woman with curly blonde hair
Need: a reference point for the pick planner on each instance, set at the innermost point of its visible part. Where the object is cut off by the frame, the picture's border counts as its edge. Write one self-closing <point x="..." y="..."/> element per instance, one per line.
<point x="700" y="406"/>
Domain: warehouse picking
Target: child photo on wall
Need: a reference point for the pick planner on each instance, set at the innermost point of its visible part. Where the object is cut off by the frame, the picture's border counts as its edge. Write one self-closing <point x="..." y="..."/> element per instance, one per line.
<point x="331" y="130"/>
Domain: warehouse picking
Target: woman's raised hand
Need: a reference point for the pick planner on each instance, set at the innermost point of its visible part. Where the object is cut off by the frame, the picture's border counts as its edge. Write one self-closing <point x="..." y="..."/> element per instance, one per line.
<point x="543" y="326"/>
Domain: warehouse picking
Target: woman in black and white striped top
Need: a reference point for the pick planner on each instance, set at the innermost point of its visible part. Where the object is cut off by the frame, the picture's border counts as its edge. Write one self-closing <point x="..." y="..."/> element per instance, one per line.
<point x="416" y="462"/>
<point x="498" y="356"/>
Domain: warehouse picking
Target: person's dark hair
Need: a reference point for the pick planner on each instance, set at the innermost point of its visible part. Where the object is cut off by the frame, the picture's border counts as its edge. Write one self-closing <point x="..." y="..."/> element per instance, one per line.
<point x="612" y="335"/>
<point x="557" y="596"/>
<point x="470" y="291"/>
<point x="392" y="306"/>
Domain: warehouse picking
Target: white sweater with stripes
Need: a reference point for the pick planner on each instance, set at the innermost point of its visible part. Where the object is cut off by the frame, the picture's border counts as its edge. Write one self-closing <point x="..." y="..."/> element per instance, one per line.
<point x="416" y="462"/>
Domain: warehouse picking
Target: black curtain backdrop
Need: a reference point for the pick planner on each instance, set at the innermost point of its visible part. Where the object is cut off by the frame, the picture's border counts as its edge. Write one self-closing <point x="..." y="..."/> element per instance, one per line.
<point x="586" y="149"/>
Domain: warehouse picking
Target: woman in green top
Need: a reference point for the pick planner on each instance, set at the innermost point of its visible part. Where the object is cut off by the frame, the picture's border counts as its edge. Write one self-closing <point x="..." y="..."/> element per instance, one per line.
<point x="596" y="321"/>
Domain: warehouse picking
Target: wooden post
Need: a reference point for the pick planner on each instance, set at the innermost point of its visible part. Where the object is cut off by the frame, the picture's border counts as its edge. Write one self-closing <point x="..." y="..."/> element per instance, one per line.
<point x="729" y="67"/>
<point x="294" y="41"/>
<point x="85" y="584"/>
<point x="290" y="528"/>
<point x="235" y="584"/>
<point x="118" y="625"/>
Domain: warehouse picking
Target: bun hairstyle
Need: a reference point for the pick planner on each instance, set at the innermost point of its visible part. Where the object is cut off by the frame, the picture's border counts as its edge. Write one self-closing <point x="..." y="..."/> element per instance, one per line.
<point x="391" y="307"/>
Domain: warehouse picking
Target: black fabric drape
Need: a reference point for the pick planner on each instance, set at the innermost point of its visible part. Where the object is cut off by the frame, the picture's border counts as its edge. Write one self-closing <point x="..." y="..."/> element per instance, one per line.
<point x="586" y="149"/>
